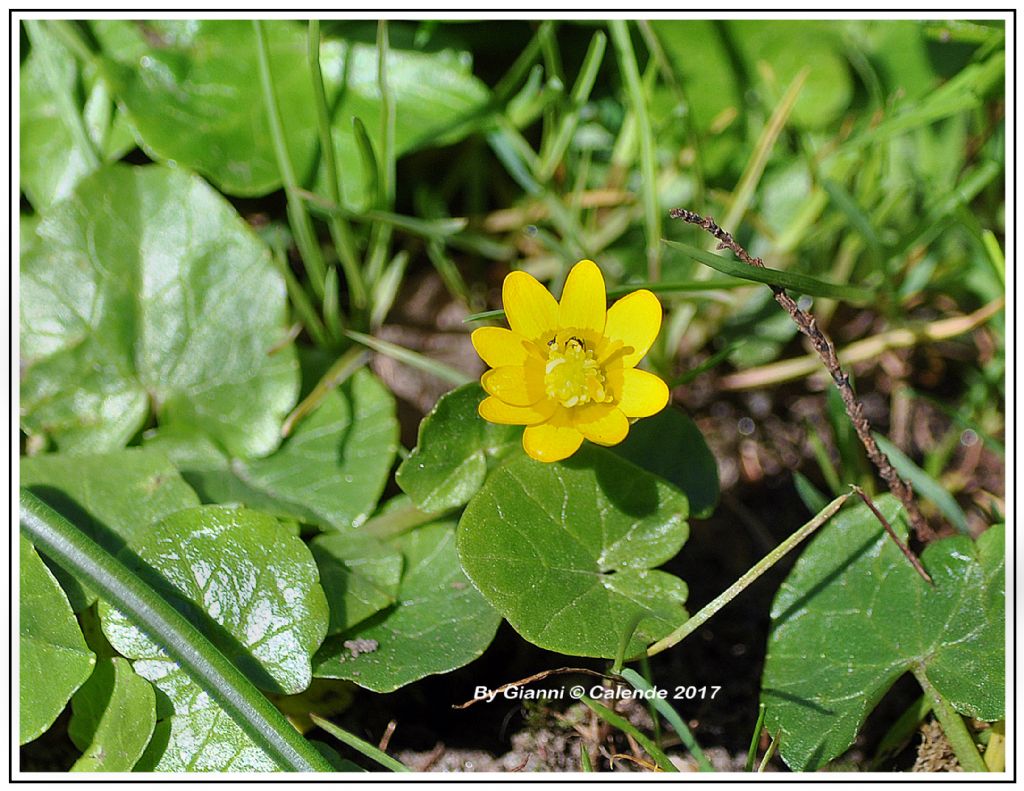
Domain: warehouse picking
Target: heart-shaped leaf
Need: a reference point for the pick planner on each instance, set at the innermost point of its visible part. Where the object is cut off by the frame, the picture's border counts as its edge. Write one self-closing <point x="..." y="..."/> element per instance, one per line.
<point x="439" y="623"/>
<point x="330" y="471"/>
<point x="853" y="616"/>
<point x="54" y="659"/>
<point x="360" y="576"/>
<point x="148" y="291"/>
<point x="455" y="449"/>
<point x="252" y="589"/>
<point x="114" y="717"/>
<point x="670" y="445"/>
<point x="565" y="551"/>
<point x="109" y="496"/>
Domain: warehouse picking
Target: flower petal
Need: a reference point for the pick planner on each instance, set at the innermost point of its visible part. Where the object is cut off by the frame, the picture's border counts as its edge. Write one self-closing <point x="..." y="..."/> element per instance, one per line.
<point x="499" y="347"/>
<point x="497" y="411"/>
<point x="601" y="423"/>
<point x="584" y="301"/>
<point x="531" y="310"/>
<point x="635" y="320"/>
<point x="518" y="385"/>
<point x="554" y="440"/>
<point x="643" y="394"/>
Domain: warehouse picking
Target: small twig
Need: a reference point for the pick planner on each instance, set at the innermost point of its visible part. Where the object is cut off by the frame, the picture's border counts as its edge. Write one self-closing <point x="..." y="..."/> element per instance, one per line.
<point x="385" y="740"/>
<point x="907" y="552"/>
<point x="827" y="351"/>
<point x="538" y="677"/>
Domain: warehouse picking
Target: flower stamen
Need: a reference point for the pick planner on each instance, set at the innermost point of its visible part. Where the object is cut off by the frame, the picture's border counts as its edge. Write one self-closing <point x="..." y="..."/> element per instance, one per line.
<point x="572" y="376"/>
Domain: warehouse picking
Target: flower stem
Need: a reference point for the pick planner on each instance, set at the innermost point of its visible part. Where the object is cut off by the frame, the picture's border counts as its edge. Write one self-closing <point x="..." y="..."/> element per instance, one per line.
<point x="60" y="540"/>
<point x="952" y="725"/>
<point x="756" y="571"/>
<point x="301" y="224"/>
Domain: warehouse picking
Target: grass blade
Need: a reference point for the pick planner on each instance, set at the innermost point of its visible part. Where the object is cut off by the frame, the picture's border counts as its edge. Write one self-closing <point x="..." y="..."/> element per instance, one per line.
<point x="752" y="752"/>
<point x="409" y="357"/>
<point x="624" y="725"/>
<point x="673" y="718"/>
<point x="367" y="749"/>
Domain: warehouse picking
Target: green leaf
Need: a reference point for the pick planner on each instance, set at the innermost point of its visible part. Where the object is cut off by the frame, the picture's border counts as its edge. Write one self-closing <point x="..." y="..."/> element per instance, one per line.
<point x="360" y="576"/>
<point x="54" y="659"/>
<point x="853" y="616"/>
<point x="51" y="159"/>
<point x="670" y="445"/>
<point x="194" y="98"/>
<point x="110" y="496"/>
<point x="113" y="720"/>
<point x="802" y="284"/>
<point x="330" y="471"/>
<point x="437" y="101"/>
<point x="147" y="290"/>
<point x="440" y="621"/>
<point x="252" y="589"/>
<point x="565" y="551"/>
<point x="454" y="451"/>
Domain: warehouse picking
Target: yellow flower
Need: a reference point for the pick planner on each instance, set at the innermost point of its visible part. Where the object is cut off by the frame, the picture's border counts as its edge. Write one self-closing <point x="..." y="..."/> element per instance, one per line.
<point x="566" y="370"/>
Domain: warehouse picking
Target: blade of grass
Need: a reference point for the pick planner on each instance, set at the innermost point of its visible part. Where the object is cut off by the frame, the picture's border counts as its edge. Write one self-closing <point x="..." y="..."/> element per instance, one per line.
<point x="759" y="568"/>
<point x="364" y="747"/>
<point x="300" y="300"/>
<point x="585" y="764"/>
<point x="809" y="494"/>
<point x="707" y="365"/>
<point x="302" y="225"/>
<point x="332" y="307"/>
<point x="387" y="288"/>
<point x="341" y="234"/>
<point x="624" y="725"/>
<point x="648" y="173"/>
<point x="901" y="731"/>
<point x="769" y="752"/>
<point x="752" y="751"/>
<point x="409" y="357"/>
<point x="924" y="485"/>
<point x="672" y="717"/>
<point x="571" y="115"/>
<point x="803" y="284"/>
<point x="69" y="547"/>
<point x="346" y="365"/>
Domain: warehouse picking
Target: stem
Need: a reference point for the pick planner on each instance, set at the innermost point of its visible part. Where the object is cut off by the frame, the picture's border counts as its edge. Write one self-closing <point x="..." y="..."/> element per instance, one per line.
<point x="624" y="725"/>
<point x="952" y="725"/>
<point x="301" y="224"/>
<point x="362" y="746"/>
<point x="826" y="350"/>
<point x="341" y="233"/>
<point x="634" y="86"/>
<point x="756" y="571"/>
<point x="60" y="540"/>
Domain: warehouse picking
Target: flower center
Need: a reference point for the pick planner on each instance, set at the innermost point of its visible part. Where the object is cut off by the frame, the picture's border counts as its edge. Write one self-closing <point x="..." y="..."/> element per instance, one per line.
<point x="572" y="376"/>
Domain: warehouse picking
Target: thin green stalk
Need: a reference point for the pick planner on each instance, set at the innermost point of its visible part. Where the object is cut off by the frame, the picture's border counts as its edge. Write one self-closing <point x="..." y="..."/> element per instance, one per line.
<point x="769" y="752"/>
<point x="638" y="101"/>
<point x="409" y="357"/>
<point x="356" y="743"/>
<point x="624" y="725"/>
<point x="585" y="764"/>
<point x="72" y="38"/>
<point x="300" y="301"/>
<point x="333" y="318"/>
<point x="346" y="365"/>
<point x="380" y="237"/>
<point x="952" y="725"/>
<point x="299" y="218"/>
<point x="672" y="716"/>
<point x="743" y="582"/>
<point x="58" y="539"/>
<point x="752" y="751"/>
<point x="341" y="233"/>
<point x="70" y="113"/>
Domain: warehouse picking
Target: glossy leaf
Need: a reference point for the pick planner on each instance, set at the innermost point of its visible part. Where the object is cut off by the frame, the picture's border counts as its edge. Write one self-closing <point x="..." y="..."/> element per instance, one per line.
<point x="148" y="291"/>
<point x="853" y="616"/>
<point x="360" y="576"/>
<point x="565" y="551"/>
<point x="191" y="91"/>
<point x="252" y="589"/>
<point x="330" y="471"/>
<point x="114" y="717"/>
<point x="670" y="445"/>
<point x="111" y="497"/>
<point x="454" y="451"/>
<point x="439" y="623"/>
<point x="54" y="659"/>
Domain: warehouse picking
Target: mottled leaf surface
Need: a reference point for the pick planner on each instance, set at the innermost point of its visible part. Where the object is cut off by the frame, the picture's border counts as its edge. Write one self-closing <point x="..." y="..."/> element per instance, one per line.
<point x="853" y="616"/>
